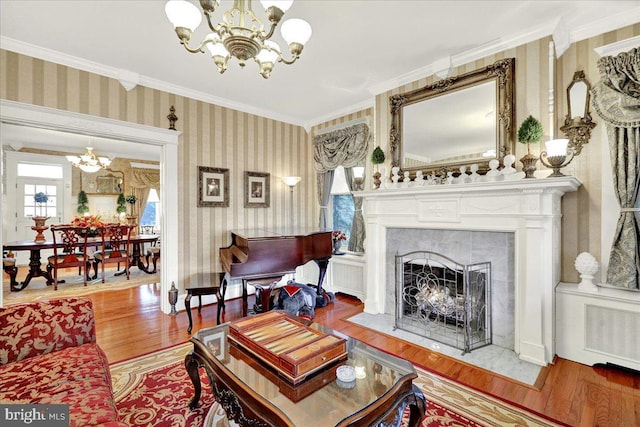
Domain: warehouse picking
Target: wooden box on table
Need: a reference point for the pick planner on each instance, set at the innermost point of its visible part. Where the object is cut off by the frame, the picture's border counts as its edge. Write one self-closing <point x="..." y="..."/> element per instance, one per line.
<point x="291" y="348"/>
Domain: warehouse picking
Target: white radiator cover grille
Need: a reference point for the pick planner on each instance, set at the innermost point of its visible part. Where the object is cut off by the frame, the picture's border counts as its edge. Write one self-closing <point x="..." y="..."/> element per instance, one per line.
<point x="347" y="278"/>
<point x="612" y="331"/>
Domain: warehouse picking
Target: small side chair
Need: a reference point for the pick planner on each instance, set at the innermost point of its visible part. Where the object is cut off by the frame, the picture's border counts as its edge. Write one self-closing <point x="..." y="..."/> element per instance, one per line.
<point x="116" y="246"/>
<point x="69" y="250"/>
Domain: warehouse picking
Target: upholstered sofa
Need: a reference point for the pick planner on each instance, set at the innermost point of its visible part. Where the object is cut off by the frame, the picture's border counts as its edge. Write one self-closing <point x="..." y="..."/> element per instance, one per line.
<point x="48" y="354"/>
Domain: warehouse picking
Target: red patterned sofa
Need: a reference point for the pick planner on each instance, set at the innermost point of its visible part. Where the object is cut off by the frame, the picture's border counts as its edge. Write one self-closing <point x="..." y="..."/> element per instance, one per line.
<point x="48" y="354"/>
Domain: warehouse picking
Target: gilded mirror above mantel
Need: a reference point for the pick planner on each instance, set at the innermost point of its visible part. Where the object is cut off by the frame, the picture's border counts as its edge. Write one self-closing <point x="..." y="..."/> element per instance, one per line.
<point x="105" y="182"/>
<point x="456" y="121"/>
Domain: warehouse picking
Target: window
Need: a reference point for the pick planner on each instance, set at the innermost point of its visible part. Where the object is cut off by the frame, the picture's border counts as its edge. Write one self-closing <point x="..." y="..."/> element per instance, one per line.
<point x="341" y="204"/>
<point x="31" y="208"/>
<point x="39" y="170"/>
<point x="151" y="214"/>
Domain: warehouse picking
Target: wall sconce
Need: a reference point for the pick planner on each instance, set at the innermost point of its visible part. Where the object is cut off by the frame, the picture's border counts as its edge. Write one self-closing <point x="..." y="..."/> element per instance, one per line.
<point x="291" y="181"/>
<point x="578" y="124"/>
<point x="358" y="178"/>
<point x="556" y="155"/>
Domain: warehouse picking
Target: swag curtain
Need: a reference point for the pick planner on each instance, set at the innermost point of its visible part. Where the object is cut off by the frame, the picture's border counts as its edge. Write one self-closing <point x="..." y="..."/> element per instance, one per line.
<point x="346" y="147"/>
<point x="141" y="182"/>
<point x="616" y="99"/>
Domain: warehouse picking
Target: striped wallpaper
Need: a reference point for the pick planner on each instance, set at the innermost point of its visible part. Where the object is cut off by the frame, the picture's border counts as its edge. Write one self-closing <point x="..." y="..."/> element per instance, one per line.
<point x="212" y="136"/>
<point x="221" y="137"/>
<point x="581" y="226"/>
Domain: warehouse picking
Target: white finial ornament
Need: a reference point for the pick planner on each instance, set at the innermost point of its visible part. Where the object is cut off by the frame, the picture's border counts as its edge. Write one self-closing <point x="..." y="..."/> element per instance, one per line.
<point x="587" y="266"/>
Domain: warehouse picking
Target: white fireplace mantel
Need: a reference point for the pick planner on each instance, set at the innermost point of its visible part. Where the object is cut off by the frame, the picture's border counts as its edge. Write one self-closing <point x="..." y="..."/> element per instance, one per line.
<point x="529" y="208"/>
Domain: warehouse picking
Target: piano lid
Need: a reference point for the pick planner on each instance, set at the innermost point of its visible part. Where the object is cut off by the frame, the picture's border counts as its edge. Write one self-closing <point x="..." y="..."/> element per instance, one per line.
<point x="265" y="233"/>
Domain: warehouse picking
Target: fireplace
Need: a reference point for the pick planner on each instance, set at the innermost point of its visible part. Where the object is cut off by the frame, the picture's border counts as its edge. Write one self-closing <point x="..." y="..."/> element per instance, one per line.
<point x="527" y="212"/>
<point x="441" y="299"/>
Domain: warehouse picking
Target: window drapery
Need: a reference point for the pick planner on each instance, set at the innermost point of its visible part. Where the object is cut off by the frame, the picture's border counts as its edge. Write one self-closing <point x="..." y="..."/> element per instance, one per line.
<point x="616" y="99"/>
<point x="346" y="147"/>
<point x="141" y="181"/>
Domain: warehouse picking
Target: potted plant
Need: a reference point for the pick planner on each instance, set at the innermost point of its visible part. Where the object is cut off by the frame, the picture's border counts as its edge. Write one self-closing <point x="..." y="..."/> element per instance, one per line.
<point x="122" y="208"/>
<point x="82" y="202"/>
<point x="530" y="131"/>
<point x="377" y="157"/>
<point x="131" y="199"/>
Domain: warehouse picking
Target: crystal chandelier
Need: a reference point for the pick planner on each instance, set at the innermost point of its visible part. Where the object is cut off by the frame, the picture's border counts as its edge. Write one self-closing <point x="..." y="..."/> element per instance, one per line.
<point x="240" y="34"/>
<point x="88" y="162"/>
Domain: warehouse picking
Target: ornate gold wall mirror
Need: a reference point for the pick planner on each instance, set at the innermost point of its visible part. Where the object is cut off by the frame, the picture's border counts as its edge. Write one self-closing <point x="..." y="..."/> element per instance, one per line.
<point x="456" y="121"/>
<point x="577" y="123"/>
<point x="105" y="181"/>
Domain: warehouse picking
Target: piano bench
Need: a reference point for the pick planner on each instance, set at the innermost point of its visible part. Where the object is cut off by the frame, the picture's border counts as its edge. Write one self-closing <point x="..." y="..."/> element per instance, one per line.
<point x="264" y="292"/>
<point x="207" y="284"/>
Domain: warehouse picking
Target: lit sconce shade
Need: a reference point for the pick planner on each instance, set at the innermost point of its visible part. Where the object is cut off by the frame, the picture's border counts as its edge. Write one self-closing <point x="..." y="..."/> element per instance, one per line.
<point x="291" y="181"/>
<point x="358" y="172"/>
<point x="557" y="147"/>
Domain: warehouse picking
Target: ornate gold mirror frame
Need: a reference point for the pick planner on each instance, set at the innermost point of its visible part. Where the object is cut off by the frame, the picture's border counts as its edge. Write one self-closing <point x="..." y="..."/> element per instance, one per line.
<point x="578" y="123"/>
<point x="502" y="72"/>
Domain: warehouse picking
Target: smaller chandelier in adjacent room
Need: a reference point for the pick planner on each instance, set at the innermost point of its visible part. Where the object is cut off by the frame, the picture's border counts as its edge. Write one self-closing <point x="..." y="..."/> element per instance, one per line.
<point x="240" y="34"/>
<point x="88" y="162"/>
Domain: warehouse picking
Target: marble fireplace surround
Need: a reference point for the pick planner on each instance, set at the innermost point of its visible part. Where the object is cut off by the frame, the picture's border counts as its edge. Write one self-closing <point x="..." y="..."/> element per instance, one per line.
<point x="528" y="208"/>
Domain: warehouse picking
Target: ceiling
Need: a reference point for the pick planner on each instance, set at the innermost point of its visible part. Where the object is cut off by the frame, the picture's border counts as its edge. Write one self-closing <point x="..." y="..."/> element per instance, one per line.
<point x="358" y="48"/>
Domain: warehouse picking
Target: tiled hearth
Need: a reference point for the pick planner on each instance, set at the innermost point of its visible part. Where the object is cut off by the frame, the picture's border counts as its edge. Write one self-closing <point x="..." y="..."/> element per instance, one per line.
<point x="527" y="212"/>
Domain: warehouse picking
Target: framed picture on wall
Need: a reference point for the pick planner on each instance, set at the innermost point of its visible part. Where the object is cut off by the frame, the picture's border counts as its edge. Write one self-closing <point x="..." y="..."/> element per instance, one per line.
<point x="256" y="189"/>
<point x="213" y="187"/>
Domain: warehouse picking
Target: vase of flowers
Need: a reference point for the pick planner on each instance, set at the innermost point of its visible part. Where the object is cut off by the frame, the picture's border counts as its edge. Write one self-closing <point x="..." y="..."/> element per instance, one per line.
<point x="39" y="220"/>
<point x="338" y="237"/>
<point x="91" y="221"/>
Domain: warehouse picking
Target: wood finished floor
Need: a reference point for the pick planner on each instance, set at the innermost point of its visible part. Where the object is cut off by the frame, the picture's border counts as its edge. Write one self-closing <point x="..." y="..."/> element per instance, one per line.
<point x="129" y="323"/>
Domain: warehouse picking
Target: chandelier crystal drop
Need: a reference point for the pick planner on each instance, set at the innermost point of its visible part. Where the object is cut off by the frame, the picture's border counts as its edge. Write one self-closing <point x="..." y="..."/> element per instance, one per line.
<point x="88" y="162"/>
<point x="240" y="34"/>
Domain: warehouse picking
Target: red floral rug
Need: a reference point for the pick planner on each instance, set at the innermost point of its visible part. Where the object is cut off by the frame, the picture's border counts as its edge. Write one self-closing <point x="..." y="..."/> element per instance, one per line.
<point x="155" y="390"/>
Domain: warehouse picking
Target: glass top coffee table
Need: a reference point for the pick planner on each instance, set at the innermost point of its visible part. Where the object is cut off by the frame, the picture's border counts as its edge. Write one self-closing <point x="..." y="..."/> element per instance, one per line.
<point x="253" y="393"/>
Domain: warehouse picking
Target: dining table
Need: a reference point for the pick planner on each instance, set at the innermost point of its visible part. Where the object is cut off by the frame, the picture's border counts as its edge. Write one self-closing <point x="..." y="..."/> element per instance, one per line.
<point x="35" y="262"/>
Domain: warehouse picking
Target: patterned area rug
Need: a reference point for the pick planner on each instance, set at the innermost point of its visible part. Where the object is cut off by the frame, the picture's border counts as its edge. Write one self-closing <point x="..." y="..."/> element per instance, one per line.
<point x="38" y="290"/>
<point x="155" y="390"/>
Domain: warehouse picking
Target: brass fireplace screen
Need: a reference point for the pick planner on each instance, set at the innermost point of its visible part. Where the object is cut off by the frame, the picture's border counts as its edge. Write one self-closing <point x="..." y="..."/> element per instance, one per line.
<point x="441" y="299"/>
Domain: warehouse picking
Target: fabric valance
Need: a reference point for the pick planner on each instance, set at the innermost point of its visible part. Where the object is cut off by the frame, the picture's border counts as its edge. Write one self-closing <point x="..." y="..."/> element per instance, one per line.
<point x="343" y="147"/>
<point x="616" y="97"/>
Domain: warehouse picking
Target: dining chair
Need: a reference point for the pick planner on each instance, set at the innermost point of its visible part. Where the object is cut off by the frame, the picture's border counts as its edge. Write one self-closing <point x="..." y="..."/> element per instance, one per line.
<point x="154" y="253"/>
<point x="69" y="250"/>
<point x="115" y="246"/>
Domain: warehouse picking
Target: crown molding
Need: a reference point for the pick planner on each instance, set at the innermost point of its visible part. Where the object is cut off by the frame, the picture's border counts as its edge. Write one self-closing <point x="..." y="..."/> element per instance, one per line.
<point x="128" y="78"/>
<point x="576" y="34"/>
<point x="369" y="103"/>
<point x="606" y="24"/>
<point x="614" y="49"/>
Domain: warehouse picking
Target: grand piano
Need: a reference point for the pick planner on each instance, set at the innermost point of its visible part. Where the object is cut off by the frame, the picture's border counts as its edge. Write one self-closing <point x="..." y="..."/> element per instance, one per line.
<point x="259" y="254"/>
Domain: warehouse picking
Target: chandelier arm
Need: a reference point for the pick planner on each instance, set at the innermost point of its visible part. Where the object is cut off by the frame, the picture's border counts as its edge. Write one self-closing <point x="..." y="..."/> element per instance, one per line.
<point x="271" y="30"/>
<point x="194" y="50"/>
<point x="290" y="61"/>
<point x="211" y="26"/>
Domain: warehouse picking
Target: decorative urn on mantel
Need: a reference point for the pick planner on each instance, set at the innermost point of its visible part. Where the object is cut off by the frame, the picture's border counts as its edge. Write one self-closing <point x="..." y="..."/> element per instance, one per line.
<point x="530" y="131"/>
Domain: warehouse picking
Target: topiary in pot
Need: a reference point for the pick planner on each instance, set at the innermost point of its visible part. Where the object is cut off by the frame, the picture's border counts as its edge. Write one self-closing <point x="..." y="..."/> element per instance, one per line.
<point x="122" y="207"/>
<point x="82" y="202"/>
<point x="530" y="131"/>
<point x="377" y="157"/>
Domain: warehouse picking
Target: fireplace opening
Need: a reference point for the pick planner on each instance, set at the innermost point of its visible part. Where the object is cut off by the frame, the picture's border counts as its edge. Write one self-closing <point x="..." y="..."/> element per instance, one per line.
<point x="444" y="300"/>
